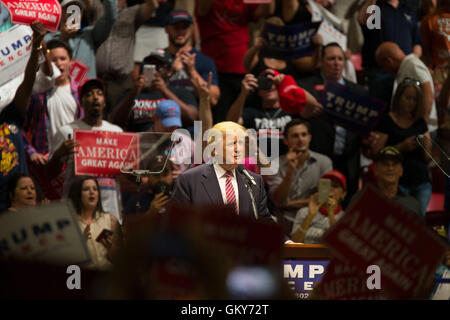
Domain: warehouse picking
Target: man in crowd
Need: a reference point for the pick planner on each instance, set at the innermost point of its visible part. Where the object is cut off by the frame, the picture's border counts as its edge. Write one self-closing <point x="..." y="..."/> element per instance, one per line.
<point x="114" y="58"/>
<point x="85" y="41"/>
<point x="92" y="98"/>
<point x="299" y="173"/>
<point x="328" y="138"/>
<point x="48" y="112"/>
<point x="190" y="68"/>
<point x="393" y="60"/>
<point x="136" y="110"/>
<point x="224" y="33"/>
<point x="221" y="182"/>
<point x="388" y="169"/>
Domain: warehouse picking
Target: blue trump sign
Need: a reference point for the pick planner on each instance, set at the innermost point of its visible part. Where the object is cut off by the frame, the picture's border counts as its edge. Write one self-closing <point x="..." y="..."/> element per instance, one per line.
<point x="351" y="109"/>
<point x="289" y="42"/>
<point x="301" y="276"/>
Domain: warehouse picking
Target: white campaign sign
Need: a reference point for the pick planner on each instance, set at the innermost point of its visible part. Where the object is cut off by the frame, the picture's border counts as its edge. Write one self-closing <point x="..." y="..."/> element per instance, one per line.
<point x="47" y="233"/>
<point x="330" y="34"/>
<point x="15" y="50"/>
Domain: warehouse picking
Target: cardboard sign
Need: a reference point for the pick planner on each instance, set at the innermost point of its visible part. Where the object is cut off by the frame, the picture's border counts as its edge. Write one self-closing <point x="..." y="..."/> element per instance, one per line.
<point x="15" y="50"/>
<point x="330" y="34"/>
<point x="101" y="153"/>
<point x="289" y="42"/>
<point x="350" y="108"/>
<point x="302" y="276"/>
<point x="378" y="231"/>
<point x="47" y="233"/>
<point x="78" y="70"/>
<point x="27" y="11"/>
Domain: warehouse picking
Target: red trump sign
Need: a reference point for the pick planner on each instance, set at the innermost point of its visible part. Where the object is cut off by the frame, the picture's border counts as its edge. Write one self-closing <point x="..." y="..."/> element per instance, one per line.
<point x="102" y="153"/>
<point x="27" y="11"/>
<point x="378" y="231"/>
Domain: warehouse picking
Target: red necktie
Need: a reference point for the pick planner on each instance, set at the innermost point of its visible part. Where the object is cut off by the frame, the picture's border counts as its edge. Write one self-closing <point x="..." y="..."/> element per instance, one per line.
<point x="229" y="191"/>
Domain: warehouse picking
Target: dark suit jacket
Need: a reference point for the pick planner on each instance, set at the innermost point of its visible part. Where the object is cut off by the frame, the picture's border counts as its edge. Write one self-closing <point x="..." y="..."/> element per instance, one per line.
<point x="199" y="186"/>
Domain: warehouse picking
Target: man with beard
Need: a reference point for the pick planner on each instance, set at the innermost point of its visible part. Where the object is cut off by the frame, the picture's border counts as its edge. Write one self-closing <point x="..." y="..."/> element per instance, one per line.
<point x="92" y="98"/>
<point x="190" y="68"/>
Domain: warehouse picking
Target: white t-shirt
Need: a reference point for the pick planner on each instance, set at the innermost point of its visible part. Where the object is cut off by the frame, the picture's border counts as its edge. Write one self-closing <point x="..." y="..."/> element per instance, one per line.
<point x="61" y="107"/>
<point x="109" y="188"/>
<point x="414" y="68"/>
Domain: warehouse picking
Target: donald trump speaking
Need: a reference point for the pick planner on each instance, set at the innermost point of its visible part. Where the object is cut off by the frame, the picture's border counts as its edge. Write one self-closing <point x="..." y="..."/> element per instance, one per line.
<point x="224" y="181"/>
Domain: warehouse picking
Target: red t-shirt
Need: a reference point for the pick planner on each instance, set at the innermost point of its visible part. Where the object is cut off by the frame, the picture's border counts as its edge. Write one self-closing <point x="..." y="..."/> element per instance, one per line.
<point x="224" y="33"/>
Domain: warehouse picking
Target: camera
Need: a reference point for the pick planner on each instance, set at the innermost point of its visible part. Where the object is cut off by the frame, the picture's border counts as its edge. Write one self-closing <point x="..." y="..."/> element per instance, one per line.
<point x="162" y="187"/>
<point x="264" y="83"/>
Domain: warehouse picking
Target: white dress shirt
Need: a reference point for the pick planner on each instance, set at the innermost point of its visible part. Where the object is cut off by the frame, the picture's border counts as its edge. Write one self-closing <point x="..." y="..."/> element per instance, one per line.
<point x="220" y="172"/>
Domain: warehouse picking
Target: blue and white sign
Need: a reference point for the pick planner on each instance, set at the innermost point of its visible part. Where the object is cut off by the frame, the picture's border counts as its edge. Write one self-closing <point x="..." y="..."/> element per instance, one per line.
<point x="350" y="108"/>
<point x="302" y="275"/>
<point x="289" y="42"/>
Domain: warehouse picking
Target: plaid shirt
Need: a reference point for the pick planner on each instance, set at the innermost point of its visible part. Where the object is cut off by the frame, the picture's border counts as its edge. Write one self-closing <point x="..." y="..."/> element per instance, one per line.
<point x="37" y="121"/>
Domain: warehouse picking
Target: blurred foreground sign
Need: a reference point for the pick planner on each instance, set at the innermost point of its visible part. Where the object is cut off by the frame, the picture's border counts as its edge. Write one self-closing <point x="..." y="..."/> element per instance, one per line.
<point x="189" y="252"/>
<point x="47" y="233"/>
<point x="378" y="231"/>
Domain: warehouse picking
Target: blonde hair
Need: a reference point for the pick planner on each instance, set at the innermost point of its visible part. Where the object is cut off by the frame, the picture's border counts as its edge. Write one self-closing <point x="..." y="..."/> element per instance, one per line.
<point x="225" y="127"/>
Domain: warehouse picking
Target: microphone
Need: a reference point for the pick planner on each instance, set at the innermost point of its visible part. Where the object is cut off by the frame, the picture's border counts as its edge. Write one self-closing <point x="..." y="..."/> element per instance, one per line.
<point x="244" y="171"/>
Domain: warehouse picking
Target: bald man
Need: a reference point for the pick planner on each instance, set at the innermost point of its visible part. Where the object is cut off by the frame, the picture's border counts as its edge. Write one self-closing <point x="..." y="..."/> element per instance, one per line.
<point x="393" y="60"/>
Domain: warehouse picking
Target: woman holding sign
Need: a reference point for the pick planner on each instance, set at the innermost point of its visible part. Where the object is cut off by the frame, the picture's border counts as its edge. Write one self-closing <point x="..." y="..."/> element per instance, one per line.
<point x="101" y="229"/>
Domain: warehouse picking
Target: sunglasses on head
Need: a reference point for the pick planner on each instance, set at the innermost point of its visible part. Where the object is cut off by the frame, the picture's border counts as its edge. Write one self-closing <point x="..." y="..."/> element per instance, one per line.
<point x="412" y="81"/>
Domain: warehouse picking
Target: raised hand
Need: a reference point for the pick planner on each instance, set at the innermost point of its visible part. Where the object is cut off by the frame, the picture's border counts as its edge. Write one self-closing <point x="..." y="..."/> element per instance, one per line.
<point x="249" y="83"/>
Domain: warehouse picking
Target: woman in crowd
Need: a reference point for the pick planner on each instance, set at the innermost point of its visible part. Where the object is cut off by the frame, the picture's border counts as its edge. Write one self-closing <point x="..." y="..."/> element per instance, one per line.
<point x="101" y="229"/>
<point x="399" y="128"/>
<point x="311" y="222"/>
<point x="21" y="192"/>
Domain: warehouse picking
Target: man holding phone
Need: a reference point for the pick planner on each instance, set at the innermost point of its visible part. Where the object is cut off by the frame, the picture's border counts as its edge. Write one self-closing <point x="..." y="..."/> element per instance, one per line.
<point x="136" y="110"/>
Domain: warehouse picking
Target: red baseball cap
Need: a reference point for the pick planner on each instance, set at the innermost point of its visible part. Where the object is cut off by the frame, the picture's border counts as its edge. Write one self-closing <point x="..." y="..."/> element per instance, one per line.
<point x="336" y="175"/>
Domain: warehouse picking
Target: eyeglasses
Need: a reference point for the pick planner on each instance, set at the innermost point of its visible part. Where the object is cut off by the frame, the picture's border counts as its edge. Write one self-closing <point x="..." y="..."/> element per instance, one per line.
<point x="412" y="81"/>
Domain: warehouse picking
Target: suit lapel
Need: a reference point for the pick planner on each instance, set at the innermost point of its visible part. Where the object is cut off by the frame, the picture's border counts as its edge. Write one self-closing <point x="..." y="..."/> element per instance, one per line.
<point x="211" y="185"/>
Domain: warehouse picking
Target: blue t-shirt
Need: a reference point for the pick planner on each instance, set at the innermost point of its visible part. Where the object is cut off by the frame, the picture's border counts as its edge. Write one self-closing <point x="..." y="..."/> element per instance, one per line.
<point x="12" y="158"/>
<point x="203" y="65"/>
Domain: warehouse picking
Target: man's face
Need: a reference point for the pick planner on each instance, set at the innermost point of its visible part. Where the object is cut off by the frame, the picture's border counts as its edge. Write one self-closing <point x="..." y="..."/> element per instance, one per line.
<point x="333" y="63"/>
<point x="298" y="138"/>
<point x="93" y="102"/>
<point x="232" y="151"/>
<point x="60" y="57"/>
<point x="337" y="191"/>
<point x="179" y="33"/>
<point x="388" y="170"/>
<point x="269" y="95"/>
